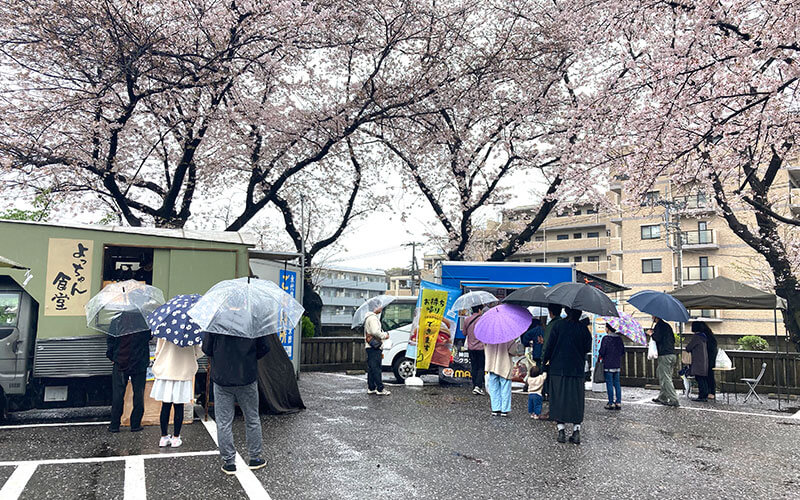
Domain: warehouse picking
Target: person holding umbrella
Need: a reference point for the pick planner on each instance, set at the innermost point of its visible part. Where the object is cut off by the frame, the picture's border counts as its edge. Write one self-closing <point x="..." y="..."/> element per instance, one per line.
<point x="499" y="329"/>
<point x="566" y="352"/>
<point x="175" y="363"/>
<point x="237" y="316"/>
<point x="475" y="348"/>
<point x="664" y="338"/>
<point x="611" y="351"/>
<point x="373" y="341"/>
<point x="120" y="310"/>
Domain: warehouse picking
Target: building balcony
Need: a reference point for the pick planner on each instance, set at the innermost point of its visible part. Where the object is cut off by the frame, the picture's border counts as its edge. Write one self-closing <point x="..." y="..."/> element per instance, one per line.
<point x="694" y="203"/>
<point x="601" y="267"/>
<point x="336" y="319"/>
<point x="794" y="201"/>
<point x="353" y="285"/>
<point x="694" y="274"/>
<point x="616" y="183"/>
<point x="699" y="240"/>
<point x="707" y="315"/>
<point x="342" y="301"/>
<point x="581" y="245"/>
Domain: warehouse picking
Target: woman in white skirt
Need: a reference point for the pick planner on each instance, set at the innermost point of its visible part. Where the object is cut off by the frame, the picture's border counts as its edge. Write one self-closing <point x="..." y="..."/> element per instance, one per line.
<point x="174" y="368"/>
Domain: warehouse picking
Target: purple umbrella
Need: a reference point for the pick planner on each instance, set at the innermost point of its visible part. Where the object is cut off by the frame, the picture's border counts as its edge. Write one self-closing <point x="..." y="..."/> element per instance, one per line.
<point x="502" y="323"/>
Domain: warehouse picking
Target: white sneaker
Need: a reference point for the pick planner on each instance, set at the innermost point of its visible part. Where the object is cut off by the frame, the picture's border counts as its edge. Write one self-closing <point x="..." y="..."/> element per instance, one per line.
<point x="175" y="441"/>
<point x="372" y="391"/>
<point x="165" y="441"/>
<point x="383" y="393"/>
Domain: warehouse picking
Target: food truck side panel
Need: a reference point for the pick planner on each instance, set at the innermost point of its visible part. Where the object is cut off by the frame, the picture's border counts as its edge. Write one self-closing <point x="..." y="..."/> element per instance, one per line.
<point x="501" y="276"/>
<point x="66" y="364"/>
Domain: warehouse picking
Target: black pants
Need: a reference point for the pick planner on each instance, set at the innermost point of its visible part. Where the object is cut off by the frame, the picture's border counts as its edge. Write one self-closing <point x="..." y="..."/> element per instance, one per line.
<point x="711" y="380"/>
<point x="477" y="363"/>
<point x="119" y="381"/>
<point x="702" y="387"/>
<point x="177" y="420"/>
<point x="374" y="376"/>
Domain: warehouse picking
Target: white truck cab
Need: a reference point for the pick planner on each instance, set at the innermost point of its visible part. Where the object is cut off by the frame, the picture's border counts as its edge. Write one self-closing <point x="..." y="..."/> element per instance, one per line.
<point x="396" y="320"/>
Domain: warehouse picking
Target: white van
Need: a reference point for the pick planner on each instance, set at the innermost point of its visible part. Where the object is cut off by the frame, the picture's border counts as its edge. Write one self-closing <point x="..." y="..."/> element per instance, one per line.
<point x="396" y="321"/>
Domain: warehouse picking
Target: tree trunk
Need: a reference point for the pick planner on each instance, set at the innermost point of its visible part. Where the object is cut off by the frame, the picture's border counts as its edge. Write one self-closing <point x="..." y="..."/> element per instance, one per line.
<point x="791" y="316"/>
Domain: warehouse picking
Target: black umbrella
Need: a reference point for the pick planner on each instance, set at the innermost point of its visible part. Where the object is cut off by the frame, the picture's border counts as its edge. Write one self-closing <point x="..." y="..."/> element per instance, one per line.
<point x="581" y="296"/>
<point x="528" y="296"/>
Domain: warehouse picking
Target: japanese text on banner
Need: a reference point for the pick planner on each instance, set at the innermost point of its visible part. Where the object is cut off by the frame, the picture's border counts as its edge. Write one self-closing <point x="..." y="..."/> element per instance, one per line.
<point x="433" y="303"/>
<point x="69" y="277"/>
<point x="287" y="281"/>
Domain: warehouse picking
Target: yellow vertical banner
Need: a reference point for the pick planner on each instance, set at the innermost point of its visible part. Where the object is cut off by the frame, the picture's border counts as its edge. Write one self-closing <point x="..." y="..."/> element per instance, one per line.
<point x="431" y="312"/>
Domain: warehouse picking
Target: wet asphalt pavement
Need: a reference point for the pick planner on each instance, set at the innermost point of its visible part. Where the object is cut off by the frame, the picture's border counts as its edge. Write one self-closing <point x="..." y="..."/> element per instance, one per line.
<point x="434" y="442"/>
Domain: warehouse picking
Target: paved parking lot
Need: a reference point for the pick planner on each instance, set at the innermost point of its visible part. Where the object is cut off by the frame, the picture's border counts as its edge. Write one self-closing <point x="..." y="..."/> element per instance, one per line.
<point x="434" y="442"/>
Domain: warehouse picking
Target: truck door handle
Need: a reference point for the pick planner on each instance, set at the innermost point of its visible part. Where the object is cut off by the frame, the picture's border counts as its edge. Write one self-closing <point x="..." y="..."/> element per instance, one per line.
<point x="15" y="349"/>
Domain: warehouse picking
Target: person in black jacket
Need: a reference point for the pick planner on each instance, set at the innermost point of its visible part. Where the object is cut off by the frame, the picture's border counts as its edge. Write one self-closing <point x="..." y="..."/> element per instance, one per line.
<point x="234" y="371"/>
<point x="665" y="343"/>
<point x="565" y="354"/>
<point x="130" y="354"/>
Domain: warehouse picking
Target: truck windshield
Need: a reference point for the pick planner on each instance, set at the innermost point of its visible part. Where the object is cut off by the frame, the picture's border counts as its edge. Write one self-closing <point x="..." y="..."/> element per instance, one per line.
<point x="9" y="309"/>
<point x="396" y="315"/>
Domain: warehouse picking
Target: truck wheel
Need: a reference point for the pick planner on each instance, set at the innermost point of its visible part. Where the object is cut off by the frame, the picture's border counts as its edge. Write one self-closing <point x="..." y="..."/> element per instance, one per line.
<point x="3" y="407"/>
<point x="402" y="367"/>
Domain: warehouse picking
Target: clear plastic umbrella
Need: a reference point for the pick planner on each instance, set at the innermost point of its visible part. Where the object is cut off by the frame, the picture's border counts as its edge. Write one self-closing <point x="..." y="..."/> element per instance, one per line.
<point x="370" y="305"/>
<point x="122" y="308"/>
<point x="246" y="307"/>
<point x="472" y="299"/>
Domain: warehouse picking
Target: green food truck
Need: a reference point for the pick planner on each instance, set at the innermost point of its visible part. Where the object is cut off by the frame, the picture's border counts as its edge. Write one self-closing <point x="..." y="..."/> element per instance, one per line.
<point x="48" y="356"/>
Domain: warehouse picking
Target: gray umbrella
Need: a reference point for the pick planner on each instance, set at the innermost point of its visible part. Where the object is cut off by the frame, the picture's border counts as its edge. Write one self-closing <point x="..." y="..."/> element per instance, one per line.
<point x="581" y="296"/>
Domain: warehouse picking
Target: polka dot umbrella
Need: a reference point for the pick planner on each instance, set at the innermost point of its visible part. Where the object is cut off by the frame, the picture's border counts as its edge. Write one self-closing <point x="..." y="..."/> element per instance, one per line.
<point x="172" y="323"/>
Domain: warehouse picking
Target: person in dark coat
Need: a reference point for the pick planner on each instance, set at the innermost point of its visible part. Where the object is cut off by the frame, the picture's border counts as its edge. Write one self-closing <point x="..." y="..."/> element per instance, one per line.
<point x="130" y="354"/>
<point x="611" y="351"/>
<point x="711" y="346"/>
<point x="664" y="338"/>
<point x="234" y="371"/>
<point x="534" y="338"/>
<point x="698" y="347"/>
<point x="565" y="355"/>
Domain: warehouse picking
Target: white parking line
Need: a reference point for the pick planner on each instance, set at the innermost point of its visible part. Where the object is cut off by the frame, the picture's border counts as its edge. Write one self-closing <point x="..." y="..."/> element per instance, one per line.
<point x="694" y="408"/>
<point x="118" y="458"/>
<point x="250" y="483"/>
<point x="66" y="424"/>
<point x="17" y="482"/>
<point x="135" y="486"/>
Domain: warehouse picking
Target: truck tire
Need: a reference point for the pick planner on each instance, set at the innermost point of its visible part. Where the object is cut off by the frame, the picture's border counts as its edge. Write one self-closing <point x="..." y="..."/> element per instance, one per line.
<point x="3" y="407"/>
<point x="402" y="367"/>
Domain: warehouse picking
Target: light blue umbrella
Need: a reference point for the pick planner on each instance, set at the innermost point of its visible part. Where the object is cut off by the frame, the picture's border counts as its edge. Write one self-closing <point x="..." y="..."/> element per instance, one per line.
<point x="246" y="307"/>
<point x="660" y="305"/>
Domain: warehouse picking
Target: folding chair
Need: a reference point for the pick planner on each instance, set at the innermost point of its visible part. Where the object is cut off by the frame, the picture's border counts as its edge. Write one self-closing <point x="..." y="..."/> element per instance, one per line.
<point x="752" y="383"/>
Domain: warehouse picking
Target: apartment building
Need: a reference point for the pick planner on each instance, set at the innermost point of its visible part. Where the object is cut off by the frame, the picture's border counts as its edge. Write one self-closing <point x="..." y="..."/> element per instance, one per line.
<point x="581" y="236"/>
<point x="633" y="247"/>
<point x="343" y="289"/>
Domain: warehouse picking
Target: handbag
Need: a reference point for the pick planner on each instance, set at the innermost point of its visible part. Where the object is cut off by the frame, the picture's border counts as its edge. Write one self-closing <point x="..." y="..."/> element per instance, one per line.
<point x="599" y="375"/>
<point x="387" y="343"/>
<point x="686" y="357"/>
<point x="652" y="350"/>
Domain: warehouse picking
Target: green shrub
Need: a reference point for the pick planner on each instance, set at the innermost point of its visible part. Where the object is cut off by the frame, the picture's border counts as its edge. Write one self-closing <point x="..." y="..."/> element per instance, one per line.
<point x="752" y="343"/>
<point x="308" y="327"/>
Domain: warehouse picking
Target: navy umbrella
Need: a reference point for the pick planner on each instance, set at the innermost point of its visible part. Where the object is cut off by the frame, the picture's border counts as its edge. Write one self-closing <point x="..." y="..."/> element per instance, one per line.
<point x="660" y="305"/>
<point x="581" y="296"/>
<point x="172" y="323"/>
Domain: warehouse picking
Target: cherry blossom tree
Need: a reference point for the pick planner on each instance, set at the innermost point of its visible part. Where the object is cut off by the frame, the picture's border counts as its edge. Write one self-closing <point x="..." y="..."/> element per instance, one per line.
<point x="709" y="100"/>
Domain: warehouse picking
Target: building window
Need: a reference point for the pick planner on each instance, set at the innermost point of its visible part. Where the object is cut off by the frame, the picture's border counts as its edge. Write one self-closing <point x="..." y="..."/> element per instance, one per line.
<point x="562" y="237"/>
<point x="593" y="258"/>
<point x="562" y="260"/>
<point x="651" y="232"/>
<point x="593" y="234"/>
<point x="577" y="236"/>
<point x="650" y="266"/>
<point x="538" y="238"/>
<point x="591" y="210"/>
<point x="651" y="197"/>
<point x="578" y="259"/>
<point x="539" y="260"/>
<point x="577" y="212"/>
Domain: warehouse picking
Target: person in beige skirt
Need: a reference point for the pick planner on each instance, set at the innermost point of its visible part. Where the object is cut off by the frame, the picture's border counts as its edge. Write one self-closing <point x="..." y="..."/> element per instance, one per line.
<point x="174" y="369"/>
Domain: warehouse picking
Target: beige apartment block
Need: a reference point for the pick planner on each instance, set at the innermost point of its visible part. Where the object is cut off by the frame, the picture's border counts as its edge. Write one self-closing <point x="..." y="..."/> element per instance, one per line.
<point x="631" y="246"/>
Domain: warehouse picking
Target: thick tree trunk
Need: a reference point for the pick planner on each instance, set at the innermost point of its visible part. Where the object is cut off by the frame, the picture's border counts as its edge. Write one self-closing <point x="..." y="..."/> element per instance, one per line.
<point x="791" y="316"/>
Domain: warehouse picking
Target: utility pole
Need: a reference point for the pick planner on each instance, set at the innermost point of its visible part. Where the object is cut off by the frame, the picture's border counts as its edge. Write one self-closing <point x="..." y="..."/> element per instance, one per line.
<point x="413" y="246"/>
<point x="676" y="245"/>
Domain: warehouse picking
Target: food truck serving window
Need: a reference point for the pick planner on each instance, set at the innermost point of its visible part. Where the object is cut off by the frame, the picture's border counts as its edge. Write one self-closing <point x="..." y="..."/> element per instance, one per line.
<point x="128" y="263"/>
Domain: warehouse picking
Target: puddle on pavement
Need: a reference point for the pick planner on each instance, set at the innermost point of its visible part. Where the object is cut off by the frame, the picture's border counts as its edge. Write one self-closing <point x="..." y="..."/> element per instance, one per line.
<point x="469" y="457"/>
